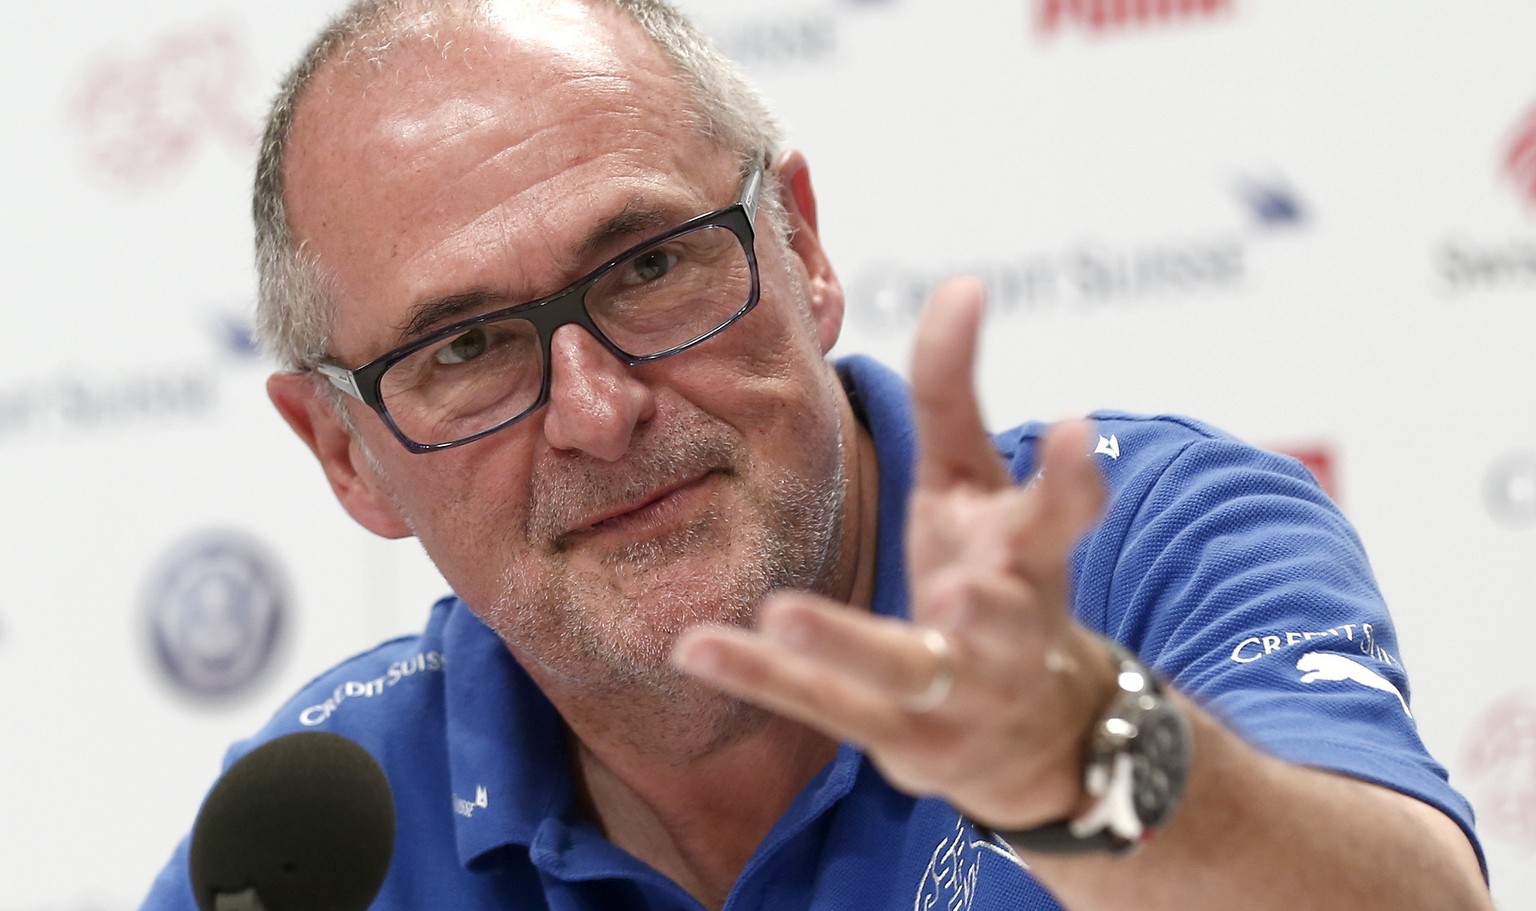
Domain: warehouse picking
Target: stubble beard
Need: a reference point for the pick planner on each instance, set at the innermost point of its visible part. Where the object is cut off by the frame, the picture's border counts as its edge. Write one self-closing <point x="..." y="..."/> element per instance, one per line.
<point x="611" y="629"/>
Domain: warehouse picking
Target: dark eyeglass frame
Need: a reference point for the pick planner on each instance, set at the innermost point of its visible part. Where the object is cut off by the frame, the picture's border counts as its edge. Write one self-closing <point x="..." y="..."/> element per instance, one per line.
<point x="564" y="307"/>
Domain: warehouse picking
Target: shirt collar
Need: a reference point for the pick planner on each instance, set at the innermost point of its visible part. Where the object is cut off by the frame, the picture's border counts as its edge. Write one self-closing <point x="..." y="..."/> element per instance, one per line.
<point x="882" y="398"/>
<point x="509" y="760"/>
<point x="507" y="754"/>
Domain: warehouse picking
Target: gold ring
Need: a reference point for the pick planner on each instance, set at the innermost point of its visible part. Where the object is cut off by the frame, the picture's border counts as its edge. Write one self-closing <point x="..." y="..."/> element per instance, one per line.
<point x="943" y="673"/>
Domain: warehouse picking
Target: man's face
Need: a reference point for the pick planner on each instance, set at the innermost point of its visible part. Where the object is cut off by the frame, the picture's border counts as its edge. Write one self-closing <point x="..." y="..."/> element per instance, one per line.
<point x="639" y="500"/>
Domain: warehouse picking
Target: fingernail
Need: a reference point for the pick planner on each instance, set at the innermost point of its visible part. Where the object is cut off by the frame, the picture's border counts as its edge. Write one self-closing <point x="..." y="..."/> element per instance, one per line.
<point x="696" y="658"/>
<point x="795" y="635"/>
<point x="780" y="622"/>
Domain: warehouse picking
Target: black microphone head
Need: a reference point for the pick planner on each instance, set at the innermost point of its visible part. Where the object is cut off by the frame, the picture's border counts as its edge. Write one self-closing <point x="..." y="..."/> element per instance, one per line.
<point x="306" y="821"/>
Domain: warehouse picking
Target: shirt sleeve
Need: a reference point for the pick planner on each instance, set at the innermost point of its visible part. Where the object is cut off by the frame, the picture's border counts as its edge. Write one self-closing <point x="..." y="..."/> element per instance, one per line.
<point x="172" y="889"/>
<point x="1230" y="571"/>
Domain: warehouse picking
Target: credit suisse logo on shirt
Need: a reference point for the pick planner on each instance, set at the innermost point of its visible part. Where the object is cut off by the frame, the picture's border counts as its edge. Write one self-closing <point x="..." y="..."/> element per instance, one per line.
<point x="1361" y="635"/>
<point x="430" y="661"/>
<point x="953" y="873"/>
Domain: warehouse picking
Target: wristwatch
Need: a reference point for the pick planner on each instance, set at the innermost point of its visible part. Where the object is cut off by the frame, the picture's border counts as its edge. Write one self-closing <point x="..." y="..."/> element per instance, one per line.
<point x="1138" y="764"/>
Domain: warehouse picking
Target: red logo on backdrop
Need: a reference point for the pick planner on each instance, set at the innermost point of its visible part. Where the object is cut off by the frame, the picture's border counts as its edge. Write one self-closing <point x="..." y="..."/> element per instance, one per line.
<point x="1113" y="15"/>
<point x="1500" y="763"/>
<point x="1318" y="459"/>
<point x="141" y="117"/>
<point x="1520" y="163"/>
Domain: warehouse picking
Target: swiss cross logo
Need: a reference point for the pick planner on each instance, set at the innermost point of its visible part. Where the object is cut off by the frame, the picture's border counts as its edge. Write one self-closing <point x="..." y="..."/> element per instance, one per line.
<point x="141" y="115"/>
<point x="1099" y="16"/>
<point x="1520" y="162"/>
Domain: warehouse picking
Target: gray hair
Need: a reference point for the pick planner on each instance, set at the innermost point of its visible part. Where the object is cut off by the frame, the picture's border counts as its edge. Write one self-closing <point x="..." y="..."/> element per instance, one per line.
<point x="296" y="300"/>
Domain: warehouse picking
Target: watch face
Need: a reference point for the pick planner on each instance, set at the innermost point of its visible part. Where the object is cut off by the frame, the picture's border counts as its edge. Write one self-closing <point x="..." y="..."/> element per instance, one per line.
<point x="1161" y="763"/>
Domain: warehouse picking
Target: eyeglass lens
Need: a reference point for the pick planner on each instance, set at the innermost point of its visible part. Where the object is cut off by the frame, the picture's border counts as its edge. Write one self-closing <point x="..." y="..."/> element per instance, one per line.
<point x="658" y="300"/>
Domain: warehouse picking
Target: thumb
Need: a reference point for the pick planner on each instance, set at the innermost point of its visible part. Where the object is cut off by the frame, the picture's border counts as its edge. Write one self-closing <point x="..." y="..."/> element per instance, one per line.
<point x="954" y="445"/>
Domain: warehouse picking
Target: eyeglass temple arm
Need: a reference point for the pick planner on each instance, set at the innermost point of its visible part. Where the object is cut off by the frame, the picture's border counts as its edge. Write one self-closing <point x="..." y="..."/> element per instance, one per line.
<point x="341" y="378"/>
<point x="750" y="191"/>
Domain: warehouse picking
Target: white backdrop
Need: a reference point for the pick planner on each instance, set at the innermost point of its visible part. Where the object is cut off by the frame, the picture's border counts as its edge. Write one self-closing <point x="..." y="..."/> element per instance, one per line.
<point x="1312" y="223"/>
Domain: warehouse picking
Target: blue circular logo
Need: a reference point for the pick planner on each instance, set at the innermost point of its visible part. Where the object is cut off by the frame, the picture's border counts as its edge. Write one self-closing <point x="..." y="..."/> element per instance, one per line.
<point x="216" y="607"/>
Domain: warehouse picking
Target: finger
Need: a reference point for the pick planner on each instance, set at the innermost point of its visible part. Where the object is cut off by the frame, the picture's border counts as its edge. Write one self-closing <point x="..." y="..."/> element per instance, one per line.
<point x="886" y="653"/>
<point x="953" y="443"/>
<point x="750" y="666"/>
<point x="1069" y="498"/>
<point x="987" y="610"/>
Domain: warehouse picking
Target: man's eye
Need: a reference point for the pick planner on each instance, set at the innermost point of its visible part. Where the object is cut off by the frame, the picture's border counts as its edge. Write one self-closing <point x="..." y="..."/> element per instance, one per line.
<point x="463" y="348"/>
<point x="649" y="266"/>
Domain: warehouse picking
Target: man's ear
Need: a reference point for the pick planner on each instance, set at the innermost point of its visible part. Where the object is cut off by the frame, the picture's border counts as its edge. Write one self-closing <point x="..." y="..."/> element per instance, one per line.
<point x="826" y="292"/>
<point x="311" y="414"/>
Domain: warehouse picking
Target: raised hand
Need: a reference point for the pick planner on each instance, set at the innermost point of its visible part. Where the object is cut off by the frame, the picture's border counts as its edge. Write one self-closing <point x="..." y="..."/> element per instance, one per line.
<point x="986" y="696"/>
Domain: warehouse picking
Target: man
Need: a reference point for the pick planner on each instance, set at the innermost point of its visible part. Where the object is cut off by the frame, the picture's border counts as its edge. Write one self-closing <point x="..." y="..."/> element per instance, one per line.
<point x="554" y="304"/>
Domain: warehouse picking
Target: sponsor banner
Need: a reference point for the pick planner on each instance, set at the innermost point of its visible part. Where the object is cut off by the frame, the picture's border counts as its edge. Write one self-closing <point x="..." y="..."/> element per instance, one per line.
<point x="71" y="406"/>
<point x="1485" y="260"/>
<point x="788" y="36"/>
<point x="1109" y="17"/>
<point x="1094" y="275"/>
<point x="74" y="405"/>
<point x="193" y="371"/>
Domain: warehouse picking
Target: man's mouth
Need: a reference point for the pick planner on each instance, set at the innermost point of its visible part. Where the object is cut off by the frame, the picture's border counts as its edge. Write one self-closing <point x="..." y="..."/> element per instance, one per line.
<point x="651" y="513"/>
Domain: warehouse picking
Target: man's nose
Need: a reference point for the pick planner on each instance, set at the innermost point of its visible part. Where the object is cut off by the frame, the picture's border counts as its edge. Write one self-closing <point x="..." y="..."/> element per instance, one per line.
<point x="595" y="401"/>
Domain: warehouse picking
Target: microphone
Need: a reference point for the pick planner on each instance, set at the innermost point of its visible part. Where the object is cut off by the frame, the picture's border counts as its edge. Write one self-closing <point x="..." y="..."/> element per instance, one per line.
<point x="305" y="821"/>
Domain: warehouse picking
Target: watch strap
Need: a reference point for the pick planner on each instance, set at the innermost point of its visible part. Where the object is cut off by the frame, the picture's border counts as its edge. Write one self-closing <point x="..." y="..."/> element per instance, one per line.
<point x="1058" y="838"/>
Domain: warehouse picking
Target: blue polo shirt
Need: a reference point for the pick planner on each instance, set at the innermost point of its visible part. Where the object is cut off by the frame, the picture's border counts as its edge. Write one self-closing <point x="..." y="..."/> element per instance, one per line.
<point x="1222" y="565"/>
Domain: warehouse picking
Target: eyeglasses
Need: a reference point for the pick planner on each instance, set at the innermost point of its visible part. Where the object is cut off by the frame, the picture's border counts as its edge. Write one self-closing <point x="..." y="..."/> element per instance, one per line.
<point x="477" y="376"/>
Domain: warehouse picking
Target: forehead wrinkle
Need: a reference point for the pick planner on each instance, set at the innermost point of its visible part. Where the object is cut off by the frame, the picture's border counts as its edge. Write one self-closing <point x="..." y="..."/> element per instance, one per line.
<point x="552" y="141"/>
<point x="526" y="212"/>
<point x="637" y="217"/>
<point x="630" y="224"/>
<point x="484" y="236"/>
<point x="462" y="120"/>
